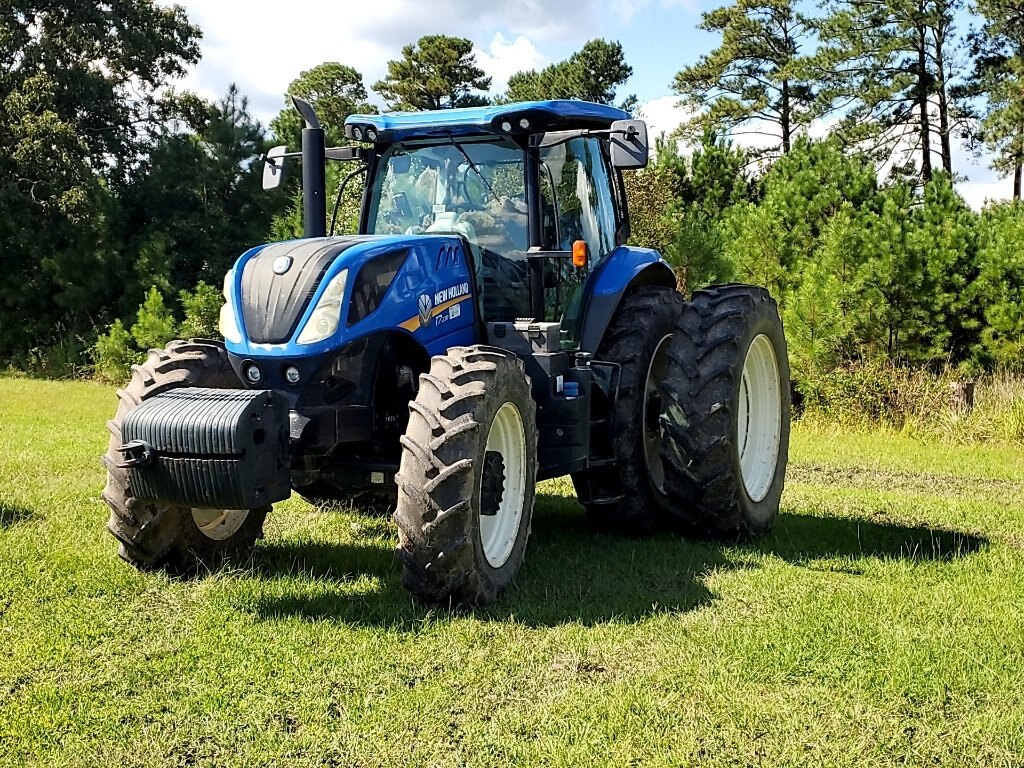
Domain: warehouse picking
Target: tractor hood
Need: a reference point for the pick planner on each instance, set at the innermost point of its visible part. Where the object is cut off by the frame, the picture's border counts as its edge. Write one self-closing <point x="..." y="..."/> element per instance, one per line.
<point x="305" y="297"/>
<point x="278" y="283"/>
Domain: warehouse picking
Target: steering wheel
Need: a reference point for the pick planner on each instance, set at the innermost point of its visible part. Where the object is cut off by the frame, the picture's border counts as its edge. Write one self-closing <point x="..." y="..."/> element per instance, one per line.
<point x="466" y="207"/>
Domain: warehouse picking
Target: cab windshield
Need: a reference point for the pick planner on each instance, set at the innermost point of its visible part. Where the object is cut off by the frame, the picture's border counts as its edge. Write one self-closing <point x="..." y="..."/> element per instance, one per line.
<point x="473" y="189"/>
<point x="476" y="189"/>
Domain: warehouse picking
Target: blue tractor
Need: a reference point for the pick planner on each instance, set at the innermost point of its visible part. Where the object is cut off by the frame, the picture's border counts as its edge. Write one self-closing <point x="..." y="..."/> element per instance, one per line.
<point x="489" y="327"/>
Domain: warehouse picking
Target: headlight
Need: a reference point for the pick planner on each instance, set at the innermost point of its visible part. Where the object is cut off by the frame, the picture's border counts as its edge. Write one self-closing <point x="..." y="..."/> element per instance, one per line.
<point x="228" y="322"/>
<point x="326" y="315"/>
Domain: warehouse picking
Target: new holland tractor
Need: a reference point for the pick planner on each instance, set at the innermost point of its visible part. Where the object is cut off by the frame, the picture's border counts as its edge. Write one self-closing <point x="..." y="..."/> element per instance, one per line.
<point x="489" y="327"/>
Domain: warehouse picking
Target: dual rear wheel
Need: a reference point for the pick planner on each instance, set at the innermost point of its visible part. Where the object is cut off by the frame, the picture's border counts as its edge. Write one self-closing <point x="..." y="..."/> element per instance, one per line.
<point x="697" y="439"/>
<point x="699" y="432"/>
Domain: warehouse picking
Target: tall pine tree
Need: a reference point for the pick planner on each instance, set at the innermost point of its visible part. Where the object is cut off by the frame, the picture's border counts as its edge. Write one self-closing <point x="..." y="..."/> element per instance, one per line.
<point x="750" y="79"/>
<point x="438" y="72"/>
<point x="884" y="68"/>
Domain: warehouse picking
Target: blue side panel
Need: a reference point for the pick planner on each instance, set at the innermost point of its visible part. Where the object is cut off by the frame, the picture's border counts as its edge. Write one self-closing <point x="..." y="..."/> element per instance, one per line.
<point x="623" y="267"/>
<point x="431" y="298"/>
<point x="619" y="268"/>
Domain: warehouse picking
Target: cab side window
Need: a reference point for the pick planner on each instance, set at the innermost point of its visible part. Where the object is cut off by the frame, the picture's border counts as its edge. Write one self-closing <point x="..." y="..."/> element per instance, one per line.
<point x="579" y="199"/>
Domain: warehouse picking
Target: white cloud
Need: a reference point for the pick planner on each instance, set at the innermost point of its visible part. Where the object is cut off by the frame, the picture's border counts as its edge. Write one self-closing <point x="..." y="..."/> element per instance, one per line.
<point x="978" y="193"/>
<point x="503" y="58"/>
<point x="662" y="115"/>
<point x="262" y="48"/>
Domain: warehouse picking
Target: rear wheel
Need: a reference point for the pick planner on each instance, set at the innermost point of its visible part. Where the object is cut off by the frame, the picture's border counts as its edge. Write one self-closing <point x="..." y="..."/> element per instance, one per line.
<point x="467" y="476"/>
<point x="726" y="388"/>
<point x="163" y="535"/>
<point x="625" y="489"/>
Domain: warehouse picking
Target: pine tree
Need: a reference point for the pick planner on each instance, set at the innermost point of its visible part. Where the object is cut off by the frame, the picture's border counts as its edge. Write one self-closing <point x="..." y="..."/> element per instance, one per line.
<point x="998" y="78"/>
<point x="335" y="91"/>
<point x="750" y="79"/>
<point x="438" y="72"/>
<point x="591" y="74"/>
<point x="884" y="67"/>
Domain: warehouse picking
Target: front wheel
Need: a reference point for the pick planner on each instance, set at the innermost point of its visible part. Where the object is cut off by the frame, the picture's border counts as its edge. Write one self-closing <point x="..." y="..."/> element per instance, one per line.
<point x="727" y="411"/>
<point x="159" y="535"/>
<point x="467" y="476"/>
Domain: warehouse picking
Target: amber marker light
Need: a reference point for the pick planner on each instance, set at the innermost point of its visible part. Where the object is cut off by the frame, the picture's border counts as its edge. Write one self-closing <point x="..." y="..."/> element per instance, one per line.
<point x="579" y="254"/>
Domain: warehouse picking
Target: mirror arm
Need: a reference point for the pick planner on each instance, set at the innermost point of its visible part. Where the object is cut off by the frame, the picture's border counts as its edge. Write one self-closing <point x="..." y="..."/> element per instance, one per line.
<point x="341" y="192"/>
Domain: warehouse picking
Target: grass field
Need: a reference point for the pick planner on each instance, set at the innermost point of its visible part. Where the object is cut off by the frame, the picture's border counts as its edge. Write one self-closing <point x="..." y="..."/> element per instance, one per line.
<point x="879" y="624"/>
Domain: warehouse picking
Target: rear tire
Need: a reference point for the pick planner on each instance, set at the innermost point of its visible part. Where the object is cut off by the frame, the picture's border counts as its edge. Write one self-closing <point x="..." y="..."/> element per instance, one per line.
<point x="626" y="492"/>
<point x="152" y="536"/>
<point x="727" y="413"/>
<point x="467" y="476"/>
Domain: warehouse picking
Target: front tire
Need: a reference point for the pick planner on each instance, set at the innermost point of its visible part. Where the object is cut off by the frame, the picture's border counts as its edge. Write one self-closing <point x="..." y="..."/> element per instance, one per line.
<point x="155" y="536"/>
<point x="727" y="413"/>
<point x="467" y="477"/>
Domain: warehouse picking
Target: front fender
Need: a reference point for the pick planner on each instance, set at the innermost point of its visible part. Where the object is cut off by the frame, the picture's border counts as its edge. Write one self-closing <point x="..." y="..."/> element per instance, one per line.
<point x="621" y="269"/>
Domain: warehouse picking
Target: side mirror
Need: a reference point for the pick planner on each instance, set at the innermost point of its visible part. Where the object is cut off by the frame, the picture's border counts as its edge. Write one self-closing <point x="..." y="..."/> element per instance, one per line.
<point x="273" y="168"/>
<point x="629" y="146"/>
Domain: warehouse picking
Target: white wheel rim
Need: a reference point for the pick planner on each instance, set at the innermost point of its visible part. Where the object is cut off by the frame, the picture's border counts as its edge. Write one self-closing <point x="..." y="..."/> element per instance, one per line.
<point x="652" y="429"/>
<point x="498" y="532"/>
<point x="759" y="418"/>
<point x="219" y="524"/>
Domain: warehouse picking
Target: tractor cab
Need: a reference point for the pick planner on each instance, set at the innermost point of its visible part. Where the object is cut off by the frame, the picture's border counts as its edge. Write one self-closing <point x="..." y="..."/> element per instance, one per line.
<point x="534" y="191"/>
<point x="521" y="184"/>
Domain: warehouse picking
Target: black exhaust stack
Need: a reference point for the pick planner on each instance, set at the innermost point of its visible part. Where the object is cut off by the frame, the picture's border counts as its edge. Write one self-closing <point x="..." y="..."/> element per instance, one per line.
<point x="314" y="181"/>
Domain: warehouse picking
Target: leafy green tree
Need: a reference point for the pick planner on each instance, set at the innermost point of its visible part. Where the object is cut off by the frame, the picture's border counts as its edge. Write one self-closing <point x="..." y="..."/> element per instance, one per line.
<point x="675" y="204"/>
<point x="114" y="354"/>
<point x="894" y="312"/>
<point x="817" y="312"/>
<point x="947" y="238"/>
<point x="593" y="73"/>
<point x="885" y="65"/>
<point x="811" y="185"/>
<point x="716" y="176"/>
<point x="197" y="202"/>
<point x="82" y="85"/>
<point x="154" y="325"/>
<point x="335" y="91"/>
<point x="437" y="72"/>
<point x="1000" y="285"/>
<point x="202" y="312"/>
<point x="750" y="79"/>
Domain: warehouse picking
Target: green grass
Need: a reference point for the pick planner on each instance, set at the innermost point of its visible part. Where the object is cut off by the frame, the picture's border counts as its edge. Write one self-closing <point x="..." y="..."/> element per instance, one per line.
<point x="879" y="624"/>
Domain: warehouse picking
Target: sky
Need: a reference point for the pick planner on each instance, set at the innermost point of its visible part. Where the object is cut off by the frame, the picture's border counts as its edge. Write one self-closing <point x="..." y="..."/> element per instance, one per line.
<point x="263" y="46"/>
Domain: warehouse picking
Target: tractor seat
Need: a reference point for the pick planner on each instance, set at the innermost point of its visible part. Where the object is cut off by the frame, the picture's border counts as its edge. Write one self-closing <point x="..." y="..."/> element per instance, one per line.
<point x="450" y="223"/>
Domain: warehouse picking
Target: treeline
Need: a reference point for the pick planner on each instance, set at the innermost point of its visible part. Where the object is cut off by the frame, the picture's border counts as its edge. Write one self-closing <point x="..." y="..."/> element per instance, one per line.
<point x="123" y="201"/>
<point x="864" y="272"/>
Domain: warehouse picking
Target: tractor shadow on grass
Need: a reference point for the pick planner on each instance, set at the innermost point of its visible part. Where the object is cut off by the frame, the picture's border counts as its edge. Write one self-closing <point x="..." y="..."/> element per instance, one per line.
<point x="573" y="574"/>
<point x="12" y="514"/>
<point x="320" y="560"/>
<point x="804" y="539"/>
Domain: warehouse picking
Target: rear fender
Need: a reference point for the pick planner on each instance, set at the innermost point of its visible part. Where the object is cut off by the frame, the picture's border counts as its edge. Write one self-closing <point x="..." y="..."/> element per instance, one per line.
<point x="622" y="269"/>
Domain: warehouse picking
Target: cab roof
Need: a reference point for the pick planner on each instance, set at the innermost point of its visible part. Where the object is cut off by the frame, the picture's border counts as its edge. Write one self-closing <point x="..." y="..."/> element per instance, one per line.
<point x="501" y="120"/>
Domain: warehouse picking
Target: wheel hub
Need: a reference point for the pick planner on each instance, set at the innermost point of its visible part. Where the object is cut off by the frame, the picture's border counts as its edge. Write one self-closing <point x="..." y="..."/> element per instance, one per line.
<point x="502" y="485"/>
<point x="219" y="524"/>
<point x="652" y="426"/>
<point x="759" y="418"/>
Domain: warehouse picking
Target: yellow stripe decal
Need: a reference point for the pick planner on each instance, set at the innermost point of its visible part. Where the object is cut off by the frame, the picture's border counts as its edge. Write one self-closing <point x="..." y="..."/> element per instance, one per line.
<point x="413" y="323"/>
